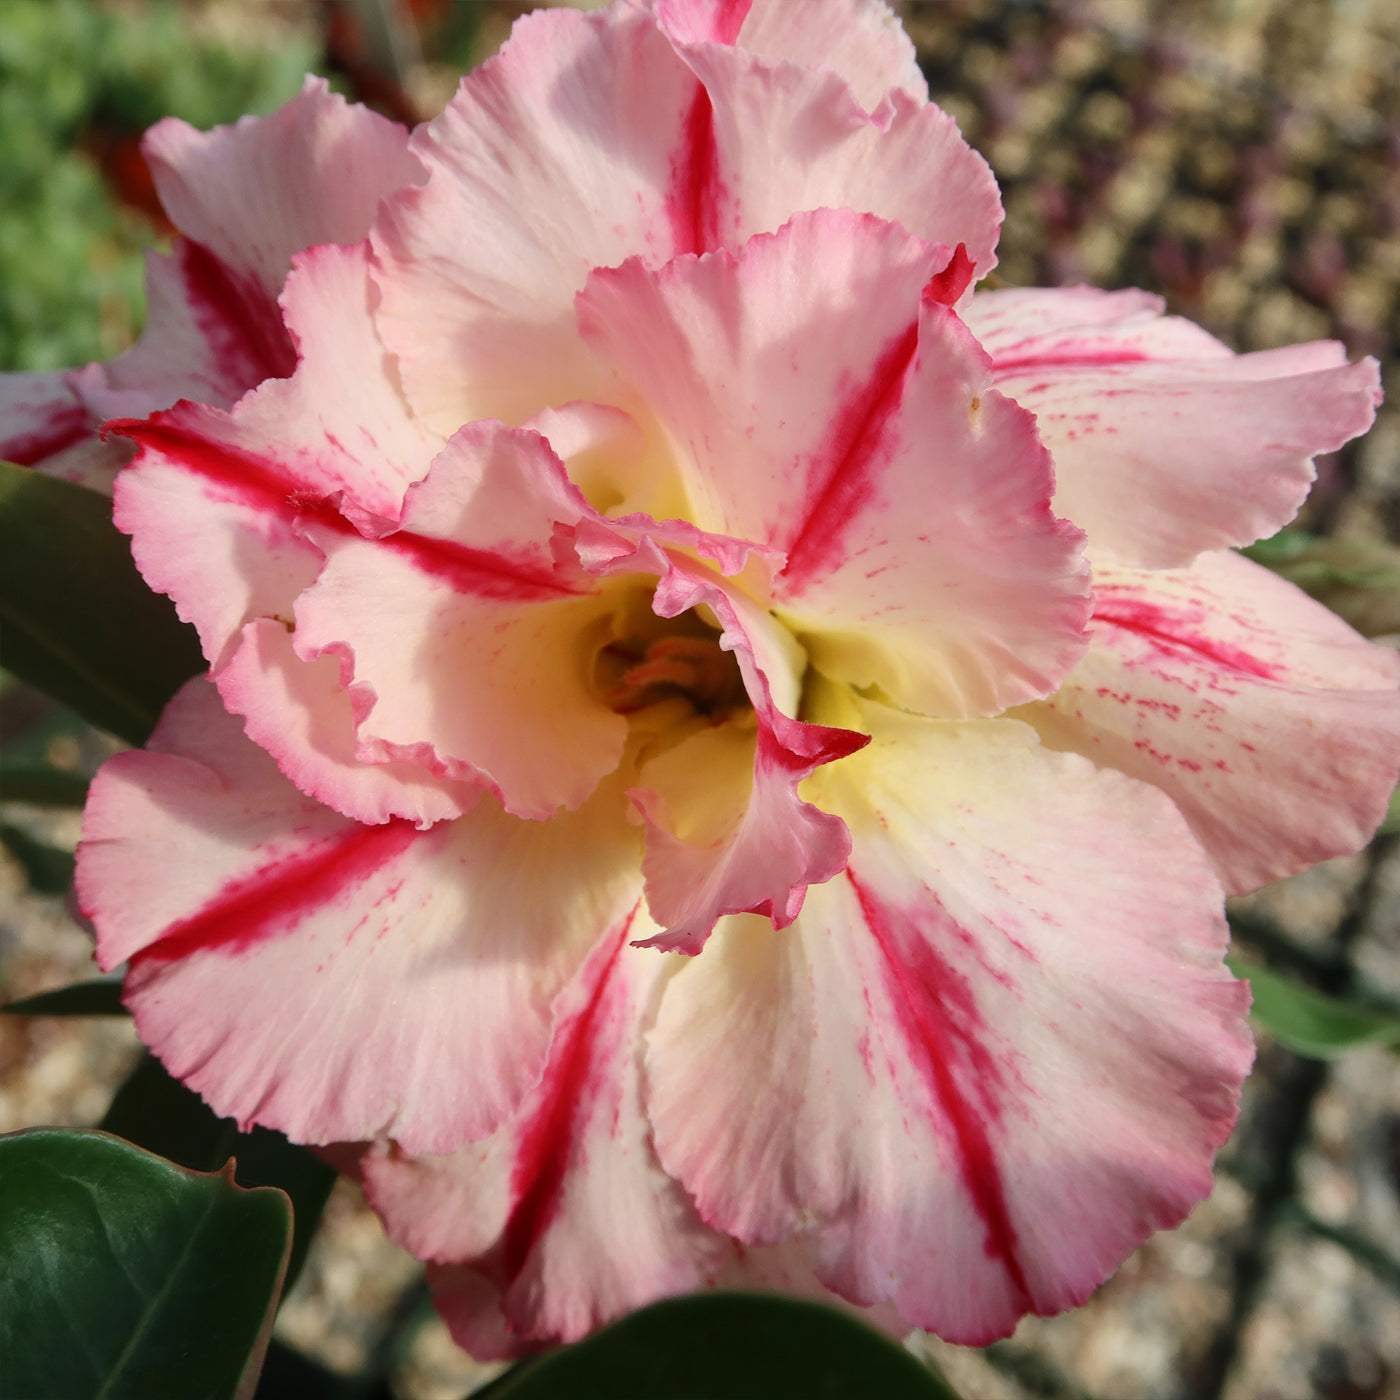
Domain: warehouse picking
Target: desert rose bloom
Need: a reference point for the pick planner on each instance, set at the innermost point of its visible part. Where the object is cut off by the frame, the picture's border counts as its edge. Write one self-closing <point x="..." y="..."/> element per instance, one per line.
<point x="670" y="780"/>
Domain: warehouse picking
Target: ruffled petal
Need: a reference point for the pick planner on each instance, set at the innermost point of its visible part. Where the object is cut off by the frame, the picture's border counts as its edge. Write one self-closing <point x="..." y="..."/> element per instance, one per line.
<point x="1165" y="443"/>
<point x="589" y="140"/>
<point x="256" y="192"/>
<point x="213" y="523"/>
<point x="771" y="138"/>
<point x="343" y="419"/>
<point x="197" y="343"/>
<point x="985" y="1062"/>
<point x="862" y="40"/>
<point x="562" y="1220"/>
<point x="308" y="973"/>
<point x="249" y="197"/>
<point x="558" y="155"/>
<point x="837" y="419"/>
<point x="746" y="359"/>
<point x="304" y="716"/>
<point x="1271" y="724"/>
<point x="467" y="647"/>
<point x="214" y="499"/>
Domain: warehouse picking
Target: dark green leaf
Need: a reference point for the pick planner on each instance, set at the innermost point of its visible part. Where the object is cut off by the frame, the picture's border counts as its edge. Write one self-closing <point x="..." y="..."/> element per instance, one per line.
<point x="157" y="1112"/>
<point x="101" y="996"/>
<point x="79" y="620"/>
<point x="288" y="1375"/>
<point x="1310" y="1022"/>
<point x="127" y="1277"/>
<point x="727" y="1346"/>
<point x="42" y="787"/>
<point x="48" y="869"/>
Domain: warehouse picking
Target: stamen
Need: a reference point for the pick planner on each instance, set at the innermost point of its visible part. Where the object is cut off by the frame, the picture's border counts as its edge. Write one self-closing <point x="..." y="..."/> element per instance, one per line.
<point x="694" y="668"/>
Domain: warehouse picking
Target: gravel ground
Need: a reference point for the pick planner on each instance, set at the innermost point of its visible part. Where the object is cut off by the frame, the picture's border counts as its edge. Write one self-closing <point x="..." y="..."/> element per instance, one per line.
<point x="1242" y="157"/>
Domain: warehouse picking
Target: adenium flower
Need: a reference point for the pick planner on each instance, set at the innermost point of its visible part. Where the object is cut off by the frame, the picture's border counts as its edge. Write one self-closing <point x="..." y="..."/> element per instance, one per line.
<point x="723" y="746"/>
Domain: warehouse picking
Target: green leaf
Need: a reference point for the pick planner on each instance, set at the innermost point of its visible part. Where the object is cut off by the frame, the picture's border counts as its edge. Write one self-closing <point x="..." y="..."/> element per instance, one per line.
<point x="79" y="620"/>
<point x="127" y="1277"/>
<point x="42" y="787"/>
<point x="100" y="996"/>
<point x="157" y="1112"/>
<point x="732" y="1345"/>
<point x="48" y="869"/>
<point x="1310" y="1022"/>
<point x="1280" y="548"/>
<point x="1391" y="822"/>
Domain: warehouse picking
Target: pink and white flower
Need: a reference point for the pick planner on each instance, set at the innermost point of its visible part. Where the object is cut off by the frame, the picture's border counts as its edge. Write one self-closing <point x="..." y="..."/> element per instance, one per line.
<point x="670" y="779"/>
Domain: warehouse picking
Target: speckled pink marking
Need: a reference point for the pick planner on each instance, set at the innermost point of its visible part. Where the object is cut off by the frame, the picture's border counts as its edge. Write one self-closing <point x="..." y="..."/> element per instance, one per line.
<point x="283" y="894"/>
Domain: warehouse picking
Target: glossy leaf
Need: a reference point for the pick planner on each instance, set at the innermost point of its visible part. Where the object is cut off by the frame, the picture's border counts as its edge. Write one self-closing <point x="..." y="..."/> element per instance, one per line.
<point x="158" y="1113"/>
<point x="1310" y="1022"/>
<point x="79" y="620"/>
<point x="736" y="1345"/>
<point x="126" y="1276"/>
<point x="99" y="996"/>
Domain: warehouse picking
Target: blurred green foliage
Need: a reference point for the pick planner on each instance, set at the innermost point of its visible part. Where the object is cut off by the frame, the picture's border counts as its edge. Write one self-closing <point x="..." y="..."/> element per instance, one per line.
<point x="77" y="77"/>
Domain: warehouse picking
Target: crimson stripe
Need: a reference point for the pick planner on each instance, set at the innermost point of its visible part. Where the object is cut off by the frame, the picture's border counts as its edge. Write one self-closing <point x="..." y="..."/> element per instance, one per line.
<point x="1167" y="633"/>
<point x="481" y="572"/>
<point x="940" y="1022"/>
<point x="1081" y="360"/>
<point x="697" y="190"/>
<point x="692" y="204"/>
<point x="854" y="439"/>
<point x="259" y="483"/>
<point x="239" y="321"/>
<point x="547" y="1144"/>
<point x="68" y="425"/>
<point x="283" y="894"/>
<point x="243" y="478"/>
